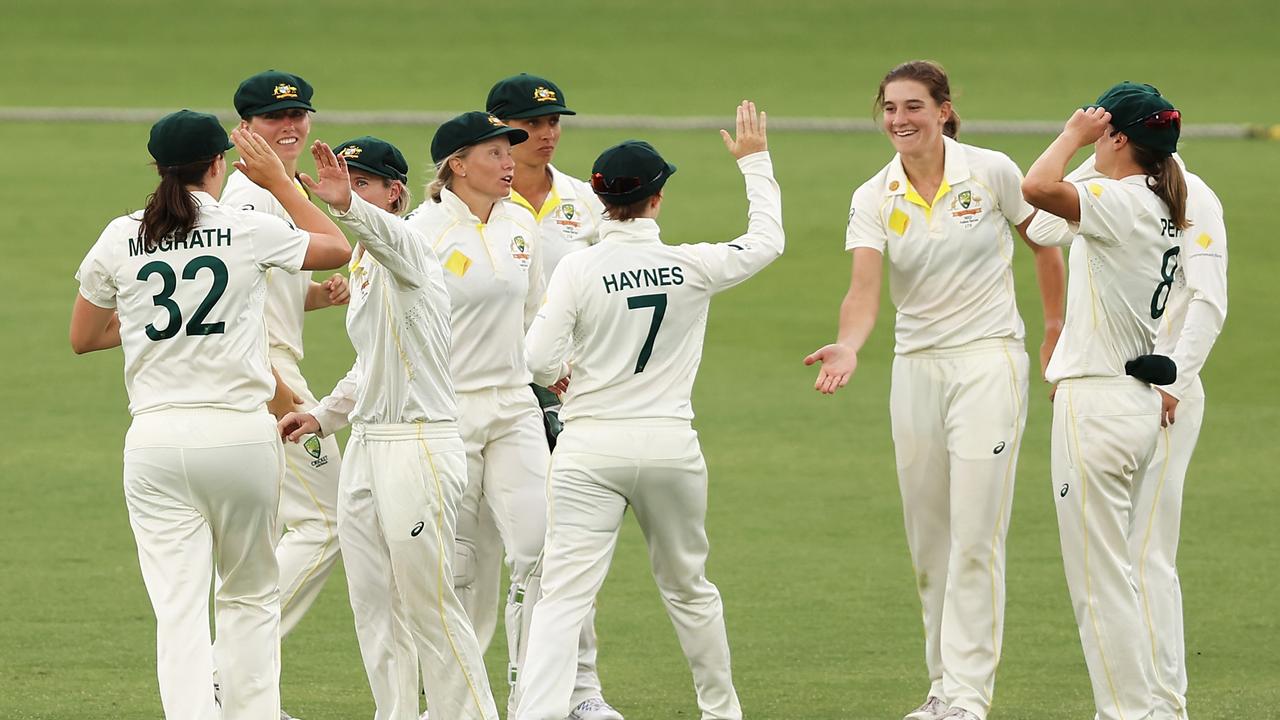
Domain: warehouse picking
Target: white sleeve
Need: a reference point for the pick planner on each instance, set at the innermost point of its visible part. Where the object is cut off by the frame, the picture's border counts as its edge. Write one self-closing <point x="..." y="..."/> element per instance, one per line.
<point x="549" y="339"/>
<point x="96" y="277"/>
<point x="1006" y="179"/>
<point x="595" y="210"/>
<point x="1108" y="213"/>
<point x="276" y="243"/>
<point x="537" y="281"/>
<point x="396" y="246"/>
<point x="1049" y="230"/>
<point x="334" y="411"/>
<point x="866" y="228"/>
<point x="1204" y="264"/>
<point x="728" y="263"/>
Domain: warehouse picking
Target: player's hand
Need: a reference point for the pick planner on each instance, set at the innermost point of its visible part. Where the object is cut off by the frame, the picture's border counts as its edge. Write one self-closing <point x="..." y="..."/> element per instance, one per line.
<point x="1168" y="407"/>
<point x="838" y="363"/>
<point x="560" y="386"/>
<point x="296" y="424"/>
<point x="283" y="404"/>
<point x="1051" y="336"/>
<point x="750" y="128"/>
<point x="1086" y="126"/>
<point x="258" y="161"/>
<point x="338" y="289"/>
<point x="332" y="183"/>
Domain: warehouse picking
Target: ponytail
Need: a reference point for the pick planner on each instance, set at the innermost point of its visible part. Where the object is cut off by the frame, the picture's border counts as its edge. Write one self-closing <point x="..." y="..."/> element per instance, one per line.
<point x="172" y="210"/>
<point x="1166" y="181"/>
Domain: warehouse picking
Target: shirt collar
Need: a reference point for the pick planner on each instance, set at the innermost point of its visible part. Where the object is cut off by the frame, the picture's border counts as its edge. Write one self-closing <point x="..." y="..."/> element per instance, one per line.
<point x="460" y="210"/>
<point x="955" y="168"/>
<point x="203" y="198"/>
<point x="632" y="231"/>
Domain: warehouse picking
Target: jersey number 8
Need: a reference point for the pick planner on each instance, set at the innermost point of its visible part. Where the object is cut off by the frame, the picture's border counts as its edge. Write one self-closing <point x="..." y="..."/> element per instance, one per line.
<point x="1168" y="266"/>
<point x="196" y="325"/>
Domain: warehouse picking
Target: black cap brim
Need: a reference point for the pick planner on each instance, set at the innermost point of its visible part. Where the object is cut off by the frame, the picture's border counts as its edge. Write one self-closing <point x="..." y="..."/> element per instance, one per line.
<point x="540" y="112"/>
<point x="282" y="105"/>
<point x="376" y="171"/>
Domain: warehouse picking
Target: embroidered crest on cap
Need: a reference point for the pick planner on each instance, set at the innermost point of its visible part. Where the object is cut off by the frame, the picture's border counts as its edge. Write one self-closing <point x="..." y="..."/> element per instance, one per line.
<point x="496" y="122"/>
<point x="351" y="151"/>
<point x="284" y="91"/>
<point x="544" y="94"/>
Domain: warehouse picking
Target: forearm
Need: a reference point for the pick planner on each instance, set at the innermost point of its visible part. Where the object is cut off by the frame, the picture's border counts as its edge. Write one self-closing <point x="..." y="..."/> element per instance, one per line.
<point x="857" y="318"/>
<point x="1051" y="276"/>
<point x="1044" y="186"/>
<point x="317" y="297"/>
<point x="333" y="412"/>
<point x="1200" y="331"/>
<point x="93" y="328"/>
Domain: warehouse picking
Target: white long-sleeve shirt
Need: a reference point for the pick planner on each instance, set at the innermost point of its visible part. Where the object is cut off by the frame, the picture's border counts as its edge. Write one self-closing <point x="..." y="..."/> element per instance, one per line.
<point x="629" y="314"/>
<point x="569" y="218"/>
<point x="1197" y="305"/>
<point x="493" y="272"/>
<point x="286" y="291"/>
<point x="398" y="321"/>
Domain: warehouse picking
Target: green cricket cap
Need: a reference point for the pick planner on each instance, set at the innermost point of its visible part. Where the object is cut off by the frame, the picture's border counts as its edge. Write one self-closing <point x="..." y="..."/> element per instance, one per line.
<point x="185" y="137"/>
<point x="375" y="156"/>
<point x="270" y="91"/>
<point x="526" y="96"/>
<point x="1142" y="113"/>
<point x="629" y="172"/>
<point x="468" y="129"/>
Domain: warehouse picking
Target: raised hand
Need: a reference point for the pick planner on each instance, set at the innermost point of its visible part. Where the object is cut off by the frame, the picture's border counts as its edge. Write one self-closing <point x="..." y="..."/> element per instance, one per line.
<point x="1086" y="126"/>
<point x="750" y="130"/>
<point x="332" y="183"/>
<point x="258" y="161"/>
<point x="296" y="424"/>
<point x="838" y="363"/>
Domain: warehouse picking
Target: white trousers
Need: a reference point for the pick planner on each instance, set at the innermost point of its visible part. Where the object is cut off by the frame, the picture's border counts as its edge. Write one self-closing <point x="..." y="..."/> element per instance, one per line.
<point x="958" y="416"/>
<point x="202" y="486"/>
<point x="1104" y="436"/>
<point x="397" y="518"/>
<point x="1153" y="552"/>
<point x="309" y="547"/>
<point x="598" y="470"/>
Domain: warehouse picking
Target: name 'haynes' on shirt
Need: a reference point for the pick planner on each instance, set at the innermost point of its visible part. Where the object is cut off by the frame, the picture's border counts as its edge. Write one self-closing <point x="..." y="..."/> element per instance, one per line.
<point x="648" y="277"/>
<point x="199" y="238"/>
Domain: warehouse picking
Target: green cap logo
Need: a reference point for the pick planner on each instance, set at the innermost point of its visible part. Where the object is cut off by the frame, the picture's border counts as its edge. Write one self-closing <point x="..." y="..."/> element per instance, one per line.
<point x="312" y="444"/>
<point x="284" y="91"/>
<point x="544" y="94"/>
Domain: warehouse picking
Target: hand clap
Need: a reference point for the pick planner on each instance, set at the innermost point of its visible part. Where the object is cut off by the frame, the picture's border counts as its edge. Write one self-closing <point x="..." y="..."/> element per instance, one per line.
<point x="258" y="161"/>
<point x="750" y="128"/>
<point x="332" y="183"/>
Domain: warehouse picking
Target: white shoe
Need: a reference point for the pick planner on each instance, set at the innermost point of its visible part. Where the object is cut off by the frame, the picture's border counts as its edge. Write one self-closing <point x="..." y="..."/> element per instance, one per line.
<point x="956" y="713"/>
<point x="595" y="709"/>
<point x="932" y="709"/>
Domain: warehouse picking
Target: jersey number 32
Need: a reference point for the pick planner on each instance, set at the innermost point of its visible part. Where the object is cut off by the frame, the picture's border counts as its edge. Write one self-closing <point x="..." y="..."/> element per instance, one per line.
<point x="164" y="299"/>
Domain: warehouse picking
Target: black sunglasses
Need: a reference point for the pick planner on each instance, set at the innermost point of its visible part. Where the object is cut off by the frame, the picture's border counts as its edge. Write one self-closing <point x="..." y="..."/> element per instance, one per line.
<point x="1157" y="120"/>
<point x="619" y="185"/>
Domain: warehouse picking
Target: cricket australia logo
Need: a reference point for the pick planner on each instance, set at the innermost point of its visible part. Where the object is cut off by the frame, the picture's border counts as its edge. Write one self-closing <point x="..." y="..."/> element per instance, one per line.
<point x="351" y="152"/>
<point x="568" y="211"/>
<point x="544" y="94"/>
<point x="496" y="122"/>
<point x="312" y="446"/>
<point x="966" y="198"/>
<point x="284" y="91"/>
<point x="520" y="251"/>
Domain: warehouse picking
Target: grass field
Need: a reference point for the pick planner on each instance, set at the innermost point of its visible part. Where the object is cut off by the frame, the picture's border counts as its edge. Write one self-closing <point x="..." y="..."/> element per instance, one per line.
<point x="805" y="520"/>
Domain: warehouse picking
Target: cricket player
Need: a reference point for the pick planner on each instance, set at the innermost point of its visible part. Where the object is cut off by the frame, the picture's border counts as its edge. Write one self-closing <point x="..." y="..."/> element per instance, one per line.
<point x="277" y="105"/>
<point x="405" y="468"/>
<point x="1193" y="317"/>
<point x="1127" y="227"/>
<point x="180" y="286"/>
<point x="625" y="319"/>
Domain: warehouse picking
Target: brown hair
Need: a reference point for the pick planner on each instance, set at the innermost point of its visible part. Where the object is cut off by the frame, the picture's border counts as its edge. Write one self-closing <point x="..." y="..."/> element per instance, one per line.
<point x="630" y="211"/>
<point x="171" y="209"/>
<point x="1167" y="181"/>
<point x="934" y="78"/>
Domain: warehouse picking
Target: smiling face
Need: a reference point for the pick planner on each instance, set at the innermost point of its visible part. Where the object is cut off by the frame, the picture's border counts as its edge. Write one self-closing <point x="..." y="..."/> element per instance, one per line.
<point x="374" y="189"/>
<point x="544" y="136"/>
<point x="486" y="168"/>
<point x="285" y="130"/>
<point x="912" y="118"/>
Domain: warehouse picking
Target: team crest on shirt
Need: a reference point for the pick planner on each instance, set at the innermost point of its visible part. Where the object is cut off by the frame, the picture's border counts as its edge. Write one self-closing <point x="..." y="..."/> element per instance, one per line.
<point x="520" y="251"/>
<point x="284" y="91"/>
<point x="312" y="446"/>
<point x="966" y="208"/>
<point x="567" y="210"/>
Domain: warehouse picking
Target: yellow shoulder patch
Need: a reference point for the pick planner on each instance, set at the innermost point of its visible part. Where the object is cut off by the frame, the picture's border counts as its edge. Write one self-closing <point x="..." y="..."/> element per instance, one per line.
<point x="1096" y="189"/>
<point x="1204" y="240"/>
<point x="458" y="264"/>
<point x="898" y="221"/>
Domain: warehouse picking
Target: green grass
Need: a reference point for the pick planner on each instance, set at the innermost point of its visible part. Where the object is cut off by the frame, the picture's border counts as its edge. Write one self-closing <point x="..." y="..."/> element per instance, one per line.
<point x="805" y="520"/>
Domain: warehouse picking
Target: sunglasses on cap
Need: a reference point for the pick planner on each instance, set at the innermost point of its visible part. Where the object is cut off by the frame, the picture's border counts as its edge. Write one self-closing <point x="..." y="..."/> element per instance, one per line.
<point x="619" y="185"/>
<point x="1158" y="120"/>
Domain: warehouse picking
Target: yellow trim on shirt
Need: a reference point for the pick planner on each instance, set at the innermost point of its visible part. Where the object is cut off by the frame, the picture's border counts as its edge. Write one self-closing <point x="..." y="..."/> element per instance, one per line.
<point x="913" y="196"/>
<point x="548" y="206"/>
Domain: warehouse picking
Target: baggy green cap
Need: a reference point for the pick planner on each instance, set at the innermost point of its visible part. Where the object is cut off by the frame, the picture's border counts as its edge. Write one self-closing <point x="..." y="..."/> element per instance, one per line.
<point x="629" y="172"/>
<point x="1139" y="111"/>
<point x="185" y="137"/>
<point x="375" y="156"/>
<point x="526" y="96"/>
<point x="270" y="91"/>
<point x="468" y="129"/>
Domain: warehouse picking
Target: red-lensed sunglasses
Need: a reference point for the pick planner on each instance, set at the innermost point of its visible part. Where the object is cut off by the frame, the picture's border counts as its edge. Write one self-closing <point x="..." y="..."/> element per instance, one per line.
<point x="618" y="185"/>
<point x="1158" y="120"/>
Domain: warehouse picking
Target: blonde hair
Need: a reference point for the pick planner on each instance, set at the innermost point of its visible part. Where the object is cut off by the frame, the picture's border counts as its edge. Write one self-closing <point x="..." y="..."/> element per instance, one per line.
<point x="444" y="174"/>
<point x="405" y="201"/>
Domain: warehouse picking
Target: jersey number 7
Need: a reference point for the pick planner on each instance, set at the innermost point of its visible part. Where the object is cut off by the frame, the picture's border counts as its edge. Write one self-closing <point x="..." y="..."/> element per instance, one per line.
<point x="658" y="302"/>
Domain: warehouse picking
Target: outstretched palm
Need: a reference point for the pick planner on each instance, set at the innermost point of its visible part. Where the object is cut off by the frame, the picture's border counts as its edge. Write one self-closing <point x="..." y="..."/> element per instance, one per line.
<point x="332" y="184"/>
<point x="750" y="132"/>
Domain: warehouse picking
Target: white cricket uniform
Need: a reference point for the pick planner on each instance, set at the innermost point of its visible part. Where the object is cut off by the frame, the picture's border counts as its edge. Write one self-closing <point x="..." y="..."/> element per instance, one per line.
<point x="629" y="316"/>
<point x="202" y="462"/>
<point x="568" y="220"/>
<point x="958" y="400"/>
<point x="309" y="547"/>
<point x="1192" y="319"/>
<point x="1124" y="252"/>
<point x="494" y="276"/>
<point x="403" y="476"/>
